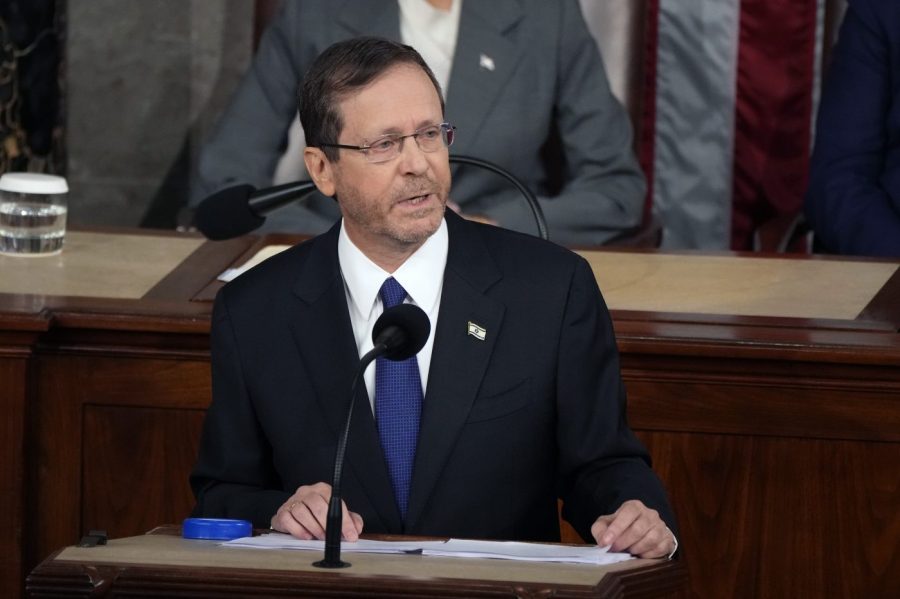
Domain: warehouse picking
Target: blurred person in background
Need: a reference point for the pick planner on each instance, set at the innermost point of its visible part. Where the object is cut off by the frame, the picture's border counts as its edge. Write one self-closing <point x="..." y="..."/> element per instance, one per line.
<point x="526" y="88"/>
<point x="853" y="201"/>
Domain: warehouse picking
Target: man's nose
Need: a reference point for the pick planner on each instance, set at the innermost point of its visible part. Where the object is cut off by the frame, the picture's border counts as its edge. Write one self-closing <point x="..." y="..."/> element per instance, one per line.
<point x="412" y="158"/>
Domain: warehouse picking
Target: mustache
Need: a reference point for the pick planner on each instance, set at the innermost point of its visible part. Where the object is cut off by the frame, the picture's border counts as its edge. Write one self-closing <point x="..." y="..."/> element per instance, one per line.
<point x="419" y="187"/>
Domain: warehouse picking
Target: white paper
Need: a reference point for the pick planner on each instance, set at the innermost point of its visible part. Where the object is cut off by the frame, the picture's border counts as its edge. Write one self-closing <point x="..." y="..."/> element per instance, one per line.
<point x="282" y="541"/>
<point x="263" y="254"/>
<point x="533" y="552"/>
<point x="536" y="552"/>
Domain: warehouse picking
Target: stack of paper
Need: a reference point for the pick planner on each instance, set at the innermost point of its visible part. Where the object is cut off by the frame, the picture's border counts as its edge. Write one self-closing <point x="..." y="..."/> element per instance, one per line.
<point x="538" y="552"/>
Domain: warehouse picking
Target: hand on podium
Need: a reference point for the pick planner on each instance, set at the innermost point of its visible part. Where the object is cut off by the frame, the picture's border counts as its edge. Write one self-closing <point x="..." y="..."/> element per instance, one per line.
<point x="305" y="512"/>
<point x="637" y="529"/>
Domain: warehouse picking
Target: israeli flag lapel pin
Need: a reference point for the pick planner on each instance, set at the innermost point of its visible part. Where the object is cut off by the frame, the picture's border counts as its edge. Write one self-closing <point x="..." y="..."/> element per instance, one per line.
<point x="476" y="331"/>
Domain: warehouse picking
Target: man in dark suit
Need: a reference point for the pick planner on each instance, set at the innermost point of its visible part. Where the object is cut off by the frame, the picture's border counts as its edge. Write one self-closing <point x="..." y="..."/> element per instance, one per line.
<point x="522" y="402"/>
<point x="853" y="201"/>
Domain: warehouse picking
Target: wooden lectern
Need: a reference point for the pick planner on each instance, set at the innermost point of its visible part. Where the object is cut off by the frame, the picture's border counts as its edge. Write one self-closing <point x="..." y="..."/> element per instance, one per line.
<point x="767" y="390"/>
<point x="163" y="564"/>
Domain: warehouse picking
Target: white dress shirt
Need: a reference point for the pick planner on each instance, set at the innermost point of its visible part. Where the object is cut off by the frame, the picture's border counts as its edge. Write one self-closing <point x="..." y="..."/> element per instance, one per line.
<point x="422" y="276"/>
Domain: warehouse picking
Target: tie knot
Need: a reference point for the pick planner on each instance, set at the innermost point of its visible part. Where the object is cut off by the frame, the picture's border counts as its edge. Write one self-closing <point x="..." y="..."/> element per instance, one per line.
<point x="392" y="293"/>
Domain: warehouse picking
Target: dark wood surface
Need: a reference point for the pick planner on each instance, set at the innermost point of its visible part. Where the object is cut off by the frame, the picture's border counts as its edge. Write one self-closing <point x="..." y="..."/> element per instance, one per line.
<point x="405" y="576"/>
<point x="778" y="438"/>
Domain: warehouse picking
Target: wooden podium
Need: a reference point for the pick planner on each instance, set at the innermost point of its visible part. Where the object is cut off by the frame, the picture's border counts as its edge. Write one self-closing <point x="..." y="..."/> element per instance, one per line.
<point x="164" y="564"/>
<point x="767" y="390"/>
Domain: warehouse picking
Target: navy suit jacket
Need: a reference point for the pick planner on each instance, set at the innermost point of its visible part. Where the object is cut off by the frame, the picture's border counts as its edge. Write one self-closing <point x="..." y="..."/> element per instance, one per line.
<point x="533" y="412"/>
<point x="853" y="202"/>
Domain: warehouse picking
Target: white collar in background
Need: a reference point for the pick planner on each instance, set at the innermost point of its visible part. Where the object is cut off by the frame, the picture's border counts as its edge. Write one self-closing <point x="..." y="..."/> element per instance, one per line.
<point x="433" y="33"/>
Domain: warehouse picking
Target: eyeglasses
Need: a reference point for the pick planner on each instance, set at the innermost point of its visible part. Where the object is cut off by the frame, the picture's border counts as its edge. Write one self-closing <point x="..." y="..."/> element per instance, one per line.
<point x="429" y="139"/>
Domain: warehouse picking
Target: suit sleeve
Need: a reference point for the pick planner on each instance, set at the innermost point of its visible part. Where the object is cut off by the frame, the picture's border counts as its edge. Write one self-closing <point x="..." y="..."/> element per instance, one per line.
<point x="602" y="464"/>
<point x="234" y="476"/>
<point x="603" y="190"/>
<point x="850" y="211"/>
<point x="251" y="135"/>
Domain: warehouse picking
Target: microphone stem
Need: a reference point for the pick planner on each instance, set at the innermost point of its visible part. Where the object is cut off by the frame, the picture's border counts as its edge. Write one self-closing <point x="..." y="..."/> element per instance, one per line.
<point x="334" y="518"/>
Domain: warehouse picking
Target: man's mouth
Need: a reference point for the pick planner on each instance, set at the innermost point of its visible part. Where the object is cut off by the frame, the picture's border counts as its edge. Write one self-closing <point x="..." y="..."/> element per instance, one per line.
<point x="416" y="200"/>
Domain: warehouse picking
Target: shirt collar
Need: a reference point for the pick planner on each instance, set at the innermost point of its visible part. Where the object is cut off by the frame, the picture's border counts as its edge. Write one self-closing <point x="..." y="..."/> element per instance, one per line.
<point x="422" y="275"/>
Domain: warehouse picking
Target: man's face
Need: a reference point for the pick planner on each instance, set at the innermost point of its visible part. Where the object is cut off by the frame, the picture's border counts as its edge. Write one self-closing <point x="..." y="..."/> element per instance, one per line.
<point x="398" y="204"/>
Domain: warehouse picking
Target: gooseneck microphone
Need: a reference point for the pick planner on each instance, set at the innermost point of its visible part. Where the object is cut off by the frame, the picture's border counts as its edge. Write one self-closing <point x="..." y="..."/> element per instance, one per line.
<point x="237" y="210"/>
<point x="399" y="333"/>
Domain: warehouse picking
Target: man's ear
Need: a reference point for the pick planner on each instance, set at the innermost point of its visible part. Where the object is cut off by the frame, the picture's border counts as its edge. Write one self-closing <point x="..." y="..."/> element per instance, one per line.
<point x="320" y="170"/>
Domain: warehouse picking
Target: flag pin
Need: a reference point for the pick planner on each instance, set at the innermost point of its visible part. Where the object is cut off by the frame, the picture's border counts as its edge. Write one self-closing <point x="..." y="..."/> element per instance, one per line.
<point x="477" y="331"/>
<point x="486" y="62"/>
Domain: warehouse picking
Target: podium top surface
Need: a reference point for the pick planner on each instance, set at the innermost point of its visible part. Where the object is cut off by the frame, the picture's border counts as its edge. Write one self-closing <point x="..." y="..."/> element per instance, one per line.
<point x="726" y="284"/>
<point x="99" y="269"/>
<point x="738" y="285"/>
<point x="117" y="266"/>
<point x="171" y="550"/>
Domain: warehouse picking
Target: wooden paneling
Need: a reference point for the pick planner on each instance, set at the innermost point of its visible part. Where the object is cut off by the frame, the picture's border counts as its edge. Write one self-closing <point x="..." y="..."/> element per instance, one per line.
<point x="783" y="473"/>
<point x="135" y="465"/>
<point x="13" y="372"/>
<point x="783" y="517"/>
<point x="866" y="409"/>
<point x="20" y="327"/>
<point x="158" y="400"/>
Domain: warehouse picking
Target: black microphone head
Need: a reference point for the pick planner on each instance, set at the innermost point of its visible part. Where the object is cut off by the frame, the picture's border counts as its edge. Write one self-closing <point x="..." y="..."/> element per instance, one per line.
<point x="227" y="213"/>
<point x="403" y="330"/>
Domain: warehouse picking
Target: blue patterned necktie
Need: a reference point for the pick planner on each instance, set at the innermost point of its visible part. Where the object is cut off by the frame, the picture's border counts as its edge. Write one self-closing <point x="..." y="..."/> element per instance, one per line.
<point x="398" y="407"/>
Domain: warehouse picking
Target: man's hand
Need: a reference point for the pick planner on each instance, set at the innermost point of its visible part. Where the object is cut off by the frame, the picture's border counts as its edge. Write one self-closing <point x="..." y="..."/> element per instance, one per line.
<point x="304" y="515"/>
<point x="634" y="528"/>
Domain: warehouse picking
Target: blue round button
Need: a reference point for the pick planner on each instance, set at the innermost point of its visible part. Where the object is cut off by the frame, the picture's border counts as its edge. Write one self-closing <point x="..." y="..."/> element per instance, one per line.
<point x="218" y="529"/>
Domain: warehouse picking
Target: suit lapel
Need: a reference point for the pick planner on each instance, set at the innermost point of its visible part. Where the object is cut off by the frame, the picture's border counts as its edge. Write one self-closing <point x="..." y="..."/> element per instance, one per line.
<point x="331" y="357"/>
<point x="368" y="17"/>
<point x="485" y="59"/>
<point x="458" y="361"/>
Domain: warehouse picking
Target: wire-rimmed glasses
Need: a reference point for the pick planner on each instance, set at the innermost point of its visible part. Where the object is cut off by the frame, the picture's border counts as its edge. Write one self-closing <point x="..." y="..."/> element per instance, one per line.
<point x="430" y="138"/>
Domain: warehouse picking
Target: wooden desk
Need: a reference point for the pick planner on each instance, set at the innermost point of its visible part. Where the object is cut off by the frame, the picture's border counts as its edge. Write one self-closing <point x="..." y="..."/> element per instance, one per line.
<point x="157" y="564"/>
<point x="776" y="434"/>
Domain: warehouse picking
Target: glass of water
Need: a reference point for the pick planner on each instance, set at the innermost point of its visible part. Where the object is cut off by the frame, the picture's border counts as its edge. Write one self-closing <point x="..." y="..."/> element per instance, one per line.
<point x="32" y="214"/>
